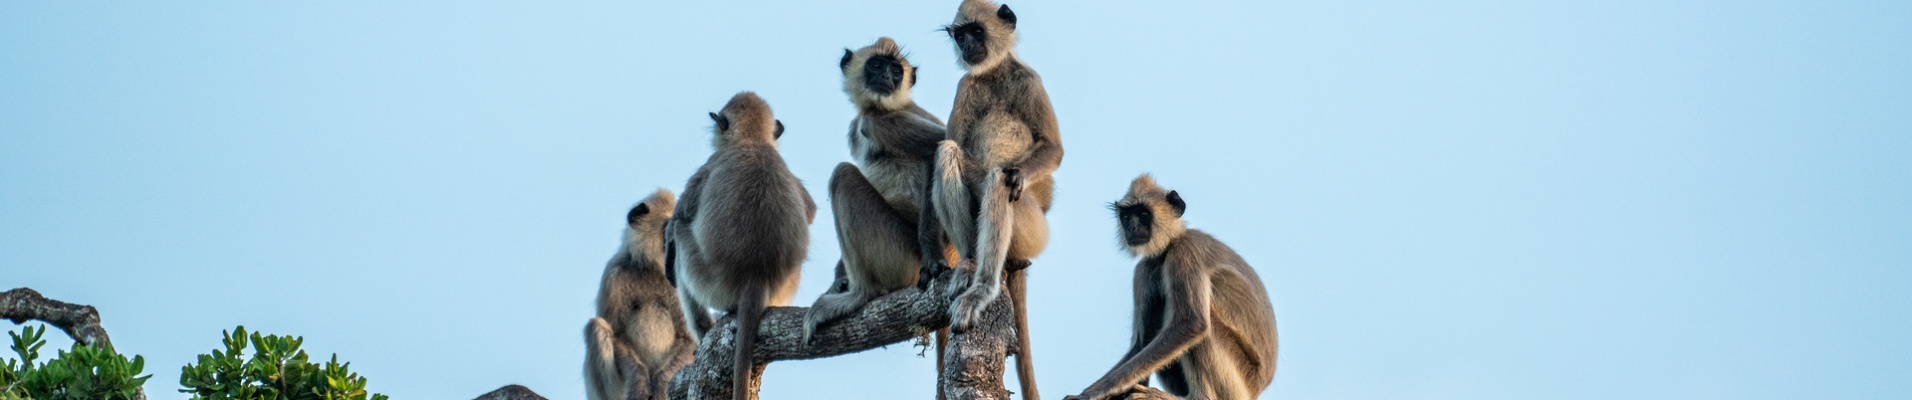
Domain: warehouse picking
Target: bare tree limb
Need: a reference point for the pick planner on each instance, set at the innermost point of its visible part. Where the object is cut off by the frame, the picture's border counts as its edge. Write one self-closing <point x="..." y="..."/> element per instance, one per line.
<point x="82" y="322"/>
<point x="974" y="361"/>
<point x="887" y="320"/>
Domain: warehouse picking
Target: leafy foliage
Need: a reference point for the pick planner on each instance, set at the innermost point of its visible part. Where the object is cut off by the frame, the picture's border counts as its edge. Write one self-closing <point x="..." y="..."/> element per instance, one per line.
<point x="85" y="372"/>
<point x="277" y="370"/>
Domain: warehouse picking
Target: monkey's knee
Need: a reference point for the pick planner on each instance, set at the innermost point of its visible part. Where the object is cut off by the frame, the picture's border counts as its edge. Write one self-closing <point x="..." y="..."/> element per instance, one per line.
<point x="845" y="175"/>
<point x="949" y="158"/>
<point x="598" y="338"/>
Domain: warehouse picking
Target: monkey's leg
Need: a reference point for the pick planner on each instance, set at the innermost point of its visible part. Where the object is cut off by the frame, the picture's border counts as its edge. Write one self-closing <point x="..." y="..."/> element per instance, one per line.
<point x="695" y="314"/>
<point x="637" y="383"/>
<point x="611" y="369"/>
<point x="601" y="380"/>
<point x="750" y="310"/>
<point x="880" y="249"/>
<point x="995" y="226"/>
<point x="952" y="198"/>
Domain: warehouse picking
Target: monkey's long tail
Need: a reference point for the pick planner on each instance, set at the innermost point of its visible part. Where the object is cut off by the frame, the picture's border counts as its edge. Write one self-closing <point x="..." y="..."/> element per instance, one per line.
<point x="1025" y="358"/>
<point x="749" y="316"/>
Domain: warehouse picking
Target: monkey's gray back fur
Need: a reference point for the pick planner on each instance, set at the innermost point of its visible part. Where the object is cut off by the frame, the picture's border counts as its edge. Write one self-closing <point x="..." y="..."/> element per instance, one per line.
<point x="1237" y="358"/>
<point x="745" y="216"/>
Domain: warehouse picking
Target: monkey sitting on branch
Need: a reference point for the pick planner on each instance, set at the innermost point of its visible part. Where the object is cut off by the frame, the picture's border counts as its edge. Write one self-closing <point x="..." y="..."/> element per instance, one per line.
<point x="1203" y="322"/>
<point x="740" y="232"/>
<point x="639" y="338"/>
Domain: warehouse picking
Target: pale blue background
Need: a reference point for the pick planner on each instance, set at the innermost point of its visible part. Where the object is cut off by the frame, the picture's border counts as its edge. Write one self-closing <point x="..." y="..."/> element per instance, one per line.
<point x="1467" y="200"/>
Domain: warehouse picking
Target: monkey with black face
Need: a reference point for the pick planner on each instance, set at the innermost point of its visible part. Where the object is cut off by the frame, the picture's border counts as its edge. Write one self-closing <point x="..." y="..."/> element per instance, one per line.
<point x="1203" y="322"/>
<point x="992" y="186"/>
<point x="638" y="339"/>
<point x="741" y="231"/>
<point x="878" y="201"/>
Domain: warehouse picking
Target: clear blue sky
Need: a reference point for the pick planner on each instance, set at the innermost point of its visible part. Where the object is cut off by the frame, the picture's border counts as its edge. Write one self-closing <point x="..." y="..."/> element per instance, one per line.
<point x="1466" y="200"/>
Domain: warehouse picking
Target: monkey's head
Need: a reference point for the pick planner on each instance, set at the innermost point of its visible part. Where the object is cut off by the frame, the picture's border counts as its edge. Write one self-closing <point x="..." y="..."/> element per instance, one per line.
<point x="1148" y="217"/>
<point x="878" y="75"/>
<point x="644" y="224"/>
<point x="985" y="34"/>
<point x="746" y="118"/>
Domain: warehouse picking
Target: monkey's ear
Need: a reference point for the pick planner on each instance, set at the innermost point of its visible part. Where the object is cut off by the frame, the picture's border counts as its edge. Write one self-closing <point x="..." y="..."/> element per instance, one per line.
<point x="1008" y="17"/>
<point x="845" y="64"/>
<point x="640" y="211"/>
<point x="1175" y="201"/>
<point x="779" y="133"/>
<point x="723" y="124"/>
<point x="912" y="80"/>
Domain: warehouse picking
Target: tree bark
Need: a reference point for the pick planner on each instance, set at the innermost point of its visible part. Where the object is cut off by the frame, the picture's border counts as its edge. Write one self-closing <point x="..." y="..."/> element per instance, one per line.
<point x="973" y="366"/>
<point x="81" y="322"/>
<point x="974" y="361"/>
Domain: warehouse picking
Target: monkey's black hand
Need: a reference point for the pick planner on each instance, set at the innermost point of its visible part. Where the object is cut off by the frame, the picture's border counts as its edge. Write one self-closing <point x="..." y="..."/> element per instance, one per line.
<point x="1012" y="180"/>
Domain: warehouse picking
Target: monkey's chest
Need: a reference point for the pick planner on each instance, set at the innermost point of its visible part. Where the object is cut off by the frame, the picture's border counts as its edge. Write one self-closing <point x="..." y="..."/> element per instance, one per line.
<point x="651" y="332"/>
<point x="896" y="176"/>
<point x="998" y="138"/>
<point x="897" y="182"/>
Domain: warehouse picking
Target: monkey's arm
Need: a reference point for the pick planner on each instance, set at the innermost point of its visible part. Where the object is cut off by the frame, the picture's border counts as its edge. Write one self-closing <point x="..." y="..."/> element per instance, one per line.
<point x="920" y="112"/>
<point x="687" y="203"/>
<point x="809" y="204"/>
<point x="959" y="114"/>
<point x="1045" y="152"/>
<point x="1148" y="316"/>
<point x="670" y="252"/>
<point x="1188" y="287"/>
<point x="914" y="136"/>
<point x="680" y="219"/>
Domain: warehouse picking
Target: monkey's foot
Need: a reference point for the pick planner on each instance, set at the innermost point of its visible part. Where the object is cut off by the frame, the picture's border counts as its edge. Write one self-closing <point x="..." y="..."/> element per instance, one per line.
<point x="968" y="308"/>
<point x="960" y="282"/>
<point x="932" y="268"/>
<point x="1016" y="264"/>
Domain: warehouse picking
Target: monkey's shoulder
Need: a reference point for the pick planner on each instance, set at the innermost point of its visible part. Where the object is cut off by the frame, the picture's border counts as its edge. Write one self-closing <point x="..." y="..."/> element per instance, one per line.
<point x="1197" y="249"/>
<point x="1012" y="77"/>
<point x="907" y="120"/>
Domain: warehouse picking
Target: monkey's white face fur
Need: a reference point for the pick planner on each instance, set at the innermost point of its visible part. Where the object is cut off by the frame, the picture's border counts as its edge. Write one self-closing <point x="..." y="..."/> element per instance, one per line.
<point x="998" y="35"/>
<point x="644" y="226"/>
<point x="856" y="76"/>
<point x="1148" y="213"/>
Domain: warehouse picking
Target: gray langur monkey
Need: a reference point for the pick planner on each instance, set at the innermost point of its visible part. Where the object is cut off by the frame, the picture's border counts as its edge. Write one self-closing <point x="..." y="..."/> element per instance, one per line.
<point x="638" y="339"/>
<point x="741" y="231"/>
<point x="992" y="186"/>
<point x="878" y="201"/>
<point x="1203" y="322"/>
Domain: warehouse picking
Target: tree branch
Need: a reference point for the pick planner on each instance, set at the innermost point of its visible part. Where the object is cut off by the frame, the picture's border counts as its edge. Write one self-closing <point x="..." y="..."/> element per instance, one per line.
<point x="81" y="322"/>
<point x="511" y="392"/>
<point x="974" y="362"/>
<point x="887" y="320"/>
